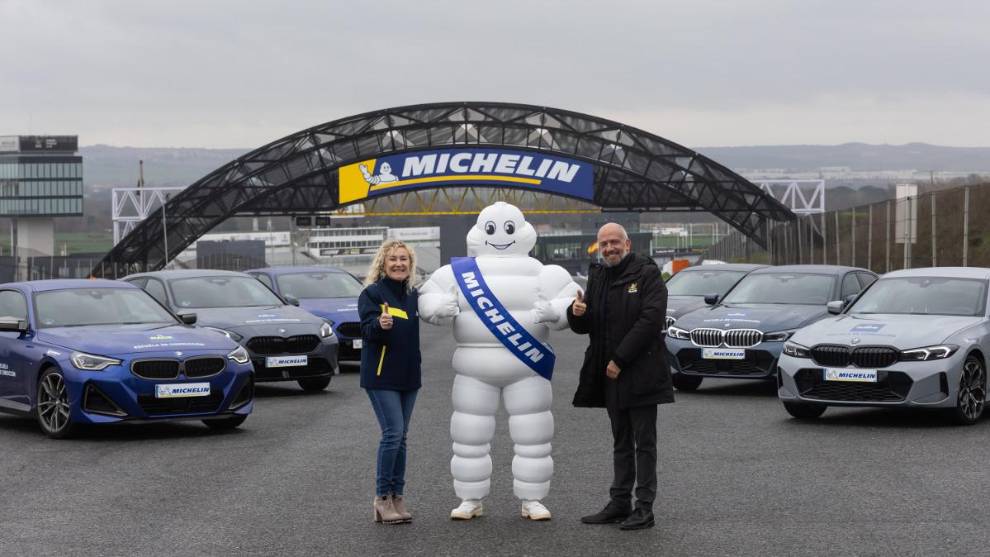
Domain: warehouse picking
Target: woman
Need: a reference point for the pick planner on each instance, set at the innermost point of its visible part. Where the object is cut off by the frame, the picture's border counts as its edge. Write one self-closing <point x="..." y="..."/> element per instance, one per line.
<point x="390" y="367"/>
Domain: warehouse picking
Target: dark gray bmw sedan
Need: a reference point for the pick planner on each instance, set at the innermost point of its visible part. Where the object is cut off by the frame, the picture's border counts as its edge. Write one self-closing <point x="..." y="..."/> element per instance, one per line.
<point x="742" y="335"/>
<point x="286" y="343"/>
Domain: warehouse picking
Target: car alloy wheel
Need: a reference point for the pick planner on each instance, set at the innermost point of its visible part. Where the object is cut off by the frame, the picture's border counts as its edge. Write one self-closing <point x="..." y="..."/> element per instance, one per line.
<point x="53" y="404"/>
<point x="972" y="391"/>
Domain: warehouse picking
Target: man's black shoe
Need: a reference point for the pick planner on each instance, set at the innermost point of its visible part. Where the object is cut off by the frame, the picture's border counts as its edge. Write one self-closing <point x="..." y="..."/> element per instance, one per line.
<point x="611" y="514"/>
<point x="639" y="519"/>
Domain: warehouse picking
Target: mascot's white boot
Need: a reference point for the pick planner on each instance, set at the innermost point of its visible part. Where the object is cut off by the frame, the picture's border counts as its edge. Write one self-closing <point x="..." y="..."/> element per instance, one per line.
<point x="494" y="360"/>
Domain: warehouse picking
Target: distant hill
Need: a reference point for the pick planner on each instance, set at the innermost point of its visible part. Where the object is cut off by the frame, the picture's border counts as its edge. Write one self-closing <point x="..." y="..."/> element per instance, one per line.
<point x="857" y="156"/>
<point x="118" y="166"/>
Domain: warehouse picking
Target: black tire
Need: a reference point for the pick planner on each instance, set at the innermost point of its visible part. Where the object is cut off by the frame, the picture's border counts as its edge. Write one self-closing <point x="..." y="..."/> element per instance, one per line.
<point x="971" y="399"/>
<point x="225" y="424"/>
<point x="686" y="382"/>
<point x="805" y="410"/>
<point x="314" y="384"/>
<point x="52" y="405"/>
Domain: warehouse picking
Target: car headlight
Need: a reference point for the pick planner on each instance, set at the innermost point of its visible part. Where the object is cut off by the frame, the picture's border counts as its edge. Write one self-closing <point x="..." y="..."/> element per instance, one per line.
<point x="326" y="330"/>
<point x="678" y="333"/>
<point x="667" y="322"/>
<point x="239" y="355"/>
<point x="229" y="334"/>
<point x="779" y="336"/>
<point x="795" y="350"/>
<point x="92" y="362"/>
<point x="939" y="352"/>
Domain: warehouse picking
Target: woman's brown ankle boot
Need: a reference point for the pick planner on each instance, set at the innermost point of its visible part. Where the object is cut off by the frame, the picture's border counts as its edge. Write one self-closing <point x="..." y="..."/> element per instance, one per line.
<point x="385" y="511"/>
<point x="400" y="508"/>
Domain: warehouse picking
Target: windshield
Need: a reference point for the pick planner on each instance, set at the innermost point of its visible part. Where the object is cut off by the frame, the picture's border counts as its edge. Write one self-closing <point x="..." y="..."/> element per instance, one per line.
<point x="221" y="292"/>
<point x="924" y="296"/>
<point x="319" y="285"/>
<point x="702" y="283"/>
<point x="98" y="306"/>
<point x="782" y="288"/>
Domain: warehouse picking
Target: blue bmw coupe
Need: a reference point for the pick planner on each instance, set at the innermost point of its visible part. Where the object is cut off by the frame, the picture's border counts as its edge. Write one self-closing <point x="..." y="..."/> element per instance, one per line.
<point x="100" y="351"/>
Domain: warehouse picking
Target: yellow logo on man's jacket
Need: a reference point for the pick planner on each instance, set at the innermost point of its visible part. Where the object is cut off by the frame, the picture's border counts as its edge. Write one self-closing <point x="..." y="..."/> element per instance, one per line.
<point x="632" y="289"/>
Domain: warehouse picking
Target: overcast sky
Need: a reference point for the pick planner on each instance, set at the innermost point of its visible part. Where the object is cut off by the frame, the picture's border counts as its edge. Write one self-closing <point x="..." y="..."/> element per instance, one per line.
<point x="241" y="73"/>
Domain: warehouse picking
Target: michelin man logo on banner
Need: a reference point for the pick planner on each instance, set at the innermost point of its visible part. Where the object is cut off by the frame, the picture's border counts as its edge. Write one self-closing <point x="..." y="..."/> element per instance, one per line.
<point x="502" y="304"/>
<point x="384" y="176"/>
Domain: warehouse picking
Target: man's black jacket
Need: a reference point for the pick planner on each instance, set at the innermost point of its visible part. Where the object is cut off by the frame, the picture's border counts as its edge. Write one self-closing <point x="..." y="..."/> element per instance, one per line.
<point x="626" y="309"/>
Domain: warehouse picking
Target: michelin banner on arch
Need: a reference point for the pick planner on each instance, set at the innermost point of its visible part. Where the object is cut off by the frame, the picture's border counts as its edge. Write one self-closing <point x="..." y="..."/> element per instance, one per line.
<point x="460" y="167"/>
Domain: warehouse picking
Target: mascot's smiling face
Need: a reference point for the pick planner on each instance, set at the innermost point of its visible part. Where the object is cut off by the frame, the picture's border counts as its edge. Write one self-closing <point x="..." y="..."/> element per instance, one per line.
<point x="501" y="230"/>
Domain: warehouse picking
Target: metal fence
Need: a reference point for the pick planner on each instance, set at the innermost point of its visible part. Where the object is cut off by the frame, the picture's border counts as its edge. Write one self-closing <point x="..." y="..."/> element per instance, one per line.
<point x="938" y="228"/>
<point x="48" y="267"/>
<point x="81" y="265"/>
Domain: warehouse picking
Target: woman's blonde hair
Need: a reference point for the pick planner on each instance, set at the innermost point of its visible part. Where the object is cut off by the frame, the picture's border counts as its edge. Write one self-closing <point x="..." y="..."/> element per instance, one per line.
<point x="377" y="269"/>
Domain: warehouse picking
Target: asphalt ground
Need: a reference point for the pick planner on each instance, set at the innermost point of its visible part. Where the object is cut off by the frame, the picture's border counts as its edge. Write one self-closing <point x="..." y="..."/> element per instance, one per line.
<point x="737" y="477"/>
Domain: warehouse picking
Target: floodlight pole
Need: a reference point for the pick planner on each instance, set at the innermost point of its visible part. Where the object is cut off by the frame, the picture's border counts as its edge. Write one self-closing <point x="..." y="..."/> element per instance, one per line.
<point x="165" y="231"/>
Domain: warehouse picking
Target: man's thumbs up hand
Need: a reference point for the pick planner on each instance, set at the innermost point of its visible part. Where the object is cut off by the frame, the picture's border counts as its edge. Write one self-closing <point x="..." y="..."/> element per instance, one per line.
<point x="578" y="307"/>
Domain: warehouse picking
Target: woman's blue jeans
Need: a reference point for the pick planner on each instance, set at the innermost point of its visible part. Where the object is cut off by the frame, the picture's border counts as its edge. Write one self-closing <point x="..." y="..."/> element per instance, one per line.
<point x="393" y="410"/>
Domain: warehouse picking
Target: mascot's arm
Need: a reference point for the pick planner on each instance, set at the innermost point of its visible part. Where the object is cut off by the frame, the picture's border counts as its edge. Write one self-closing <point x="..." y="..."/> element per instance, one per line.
<point x="557" y="287"/>
<point x="646" y="330"/>
<point x="369" y="309"/>
<point x="438" y="298"/>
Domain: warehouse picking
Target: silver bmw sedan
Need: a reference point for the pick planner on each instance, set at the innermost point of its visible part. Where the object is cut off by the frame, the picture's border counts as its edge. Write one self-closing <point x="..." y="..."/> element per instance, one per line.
<point x="916" y="338"/>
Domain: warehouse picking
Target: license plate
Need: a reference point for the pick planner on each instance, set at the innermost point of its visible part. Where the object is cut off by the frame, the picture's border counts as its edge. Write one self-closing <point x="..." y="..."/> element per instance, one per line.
<point x="851" y="375"/>
<point x="182" y="390"/>
<point x="357" y="344"/>
<point x="286" y="361"/>
<point x="723" y="353"/>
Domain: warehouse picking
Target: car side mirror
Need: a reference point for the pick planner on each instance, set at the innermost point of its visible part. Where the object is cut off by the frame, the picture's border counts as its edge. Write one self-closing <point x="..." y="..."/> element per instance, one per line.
<point x="835" y="306"/>
<point x="14" y="325"/>
<point x="711" y="299"/>
<point x="188" y="318"/>
<point x="849" y="299"/>
<point x="292" y="300"/>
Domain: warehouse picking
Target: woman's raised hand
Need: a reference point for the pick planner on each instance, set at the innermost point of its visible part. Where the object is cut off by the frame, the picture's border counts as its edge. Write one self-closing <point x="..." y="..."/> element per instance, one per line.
<point x="385" y="319"/>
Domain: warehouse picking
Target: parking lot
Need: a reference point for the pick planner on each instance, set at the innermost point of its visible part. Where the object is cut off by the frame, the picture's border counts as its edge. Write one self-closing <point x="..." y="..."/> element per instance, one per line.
<point x="737" y="476"/>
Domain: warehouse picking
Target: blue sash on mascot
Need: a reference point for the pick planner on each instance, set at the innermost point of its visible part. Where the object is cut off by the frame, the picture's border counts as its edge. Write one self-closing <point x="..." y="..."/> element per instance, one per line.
<point x="523" y="345"/>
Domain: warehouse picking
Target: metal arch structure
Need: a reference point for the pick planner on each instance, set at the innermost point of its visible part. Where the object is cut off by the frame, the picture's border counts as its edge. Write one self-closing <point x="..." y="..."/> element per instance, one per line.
<point x="298" y="174"/>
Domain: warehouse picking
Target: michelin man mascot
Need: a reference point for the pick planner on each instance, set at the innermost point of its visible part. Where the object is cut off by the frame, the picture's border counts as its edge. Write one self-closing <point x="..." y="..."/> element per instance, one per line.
<point x="502" y="304"/>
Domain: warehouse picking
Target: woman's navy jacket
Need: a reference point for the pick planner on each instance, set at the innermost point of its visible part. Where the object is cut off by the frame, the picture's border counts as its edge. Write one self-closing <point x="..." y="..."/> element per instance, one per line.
<point x="390" y="359"/>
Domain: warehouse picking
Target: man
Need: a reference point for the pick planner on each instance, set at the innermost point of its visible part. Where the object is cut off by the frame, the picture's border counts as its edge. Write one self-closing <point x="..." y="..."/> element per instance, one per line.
<point x="624" y="369"/>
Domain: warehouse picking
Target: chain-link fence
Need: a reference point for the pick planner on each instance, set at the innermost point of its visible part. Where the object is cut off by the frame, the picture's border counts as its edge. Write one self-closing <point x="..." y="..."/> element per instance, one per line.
<point x="938" y="228"/>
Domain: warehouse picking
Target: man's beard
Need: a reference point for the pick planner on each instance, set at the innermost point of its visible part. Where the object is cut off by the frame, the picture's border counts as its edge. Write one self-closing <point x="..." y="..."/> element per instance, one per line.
<point x="617" y="261"/>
